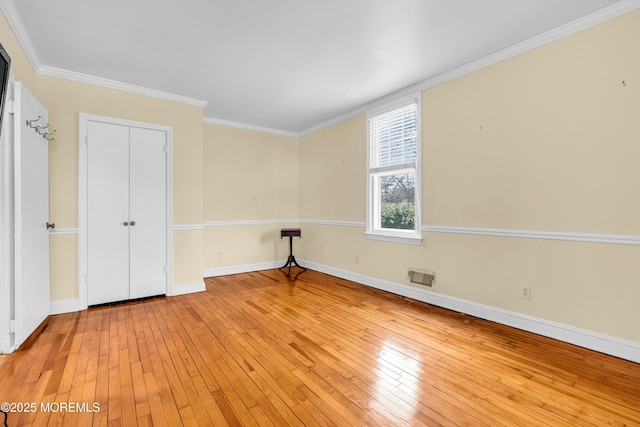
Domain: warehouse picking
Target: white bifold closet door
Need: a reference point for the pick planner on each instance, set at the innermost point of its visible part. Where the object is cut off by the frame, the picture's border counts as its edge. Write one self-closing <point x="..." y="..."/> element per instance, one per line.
<point x="126" y="221"/>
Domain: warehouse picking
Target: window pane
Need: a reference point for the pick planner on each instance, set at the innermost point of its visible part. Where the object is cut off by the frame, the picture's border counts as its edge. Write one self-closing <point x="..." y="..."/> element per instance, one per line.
<point x="397" y="201"/>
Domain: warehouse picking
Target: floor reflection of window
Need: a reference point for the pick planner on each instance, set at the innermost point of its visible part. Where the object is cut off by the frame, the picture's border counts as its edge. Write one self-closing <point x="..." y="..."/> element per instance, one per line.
<point x="397" y="374"/>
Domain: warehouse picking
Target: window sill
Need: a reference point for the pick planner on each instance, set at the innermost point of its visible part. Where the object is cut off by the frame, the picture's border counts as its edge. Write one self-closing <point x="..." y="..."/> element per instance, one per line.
<point x="408" y="240"/>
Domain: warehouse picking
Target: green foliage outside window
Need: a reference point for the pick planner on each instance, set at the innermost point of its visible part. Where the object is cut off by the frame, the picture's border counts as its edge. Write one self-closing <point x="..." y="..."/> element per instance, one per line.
<point x="397" y="209"/>
<point x="397" y="216"/>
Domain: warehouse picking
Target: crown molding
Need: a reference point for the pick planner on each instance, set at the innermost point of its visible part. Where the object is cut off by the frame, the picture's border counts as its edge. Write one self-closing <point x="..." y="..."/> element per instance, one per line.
<point x="13" y="18"/>
<point x="114" y="84"/>
<point x="587" y="21"/>
<point x="246" y="126"/>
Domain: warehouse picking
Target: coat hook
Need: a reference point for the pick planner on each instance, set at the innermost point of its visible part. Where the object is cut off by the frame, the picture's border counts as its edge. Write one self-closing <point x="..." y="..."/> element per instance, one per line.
<point x="31" y="122"/>
<point x="39" y="128"/>
<point x="45" y="133"/>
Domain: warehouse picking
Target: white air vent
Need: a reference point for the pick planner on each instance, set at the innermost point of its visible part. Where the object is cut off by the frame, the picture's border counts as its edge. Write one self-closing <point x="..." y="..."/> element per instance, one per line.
<point x="422" y="277"/>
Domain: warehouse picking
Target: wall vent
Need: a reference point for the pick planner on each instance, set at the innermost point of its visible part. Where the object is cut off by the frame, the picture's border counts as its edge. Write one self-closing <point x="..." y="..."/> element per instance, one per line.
<point x="422" y="277"/>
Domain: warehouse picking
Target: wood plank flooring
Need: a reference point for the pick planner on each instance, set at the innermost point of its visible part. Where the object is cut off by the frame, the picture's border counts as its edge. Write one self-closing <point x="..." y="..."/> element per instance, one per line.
<point x="262" y="349"/>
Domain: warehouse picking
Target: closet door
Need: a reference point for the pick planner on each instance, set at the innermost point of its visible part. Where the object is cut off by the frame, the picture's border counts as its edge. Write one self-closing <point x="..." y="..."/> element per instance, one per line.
<point x="147" y="197"/>
<point x="108" y="213"/>
<point x="126" y="212"/>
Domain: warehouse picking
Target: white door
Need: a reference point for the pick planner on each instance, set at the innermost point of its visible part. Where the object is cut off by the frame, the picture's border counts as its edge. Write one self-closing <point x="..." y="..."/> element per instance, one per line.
<point x="108" y="212"/>
<point x="147" y="207"/>
<point x="126" y="214"/>
<point x="31" y="168"/>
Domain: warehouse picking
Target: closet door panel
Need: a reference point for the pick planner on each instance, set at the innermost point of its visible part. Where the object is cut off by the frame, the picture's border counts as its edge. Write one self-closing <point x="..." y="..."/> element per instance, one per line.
<point x="108" y="200"/>
<point x="148" y="210"/>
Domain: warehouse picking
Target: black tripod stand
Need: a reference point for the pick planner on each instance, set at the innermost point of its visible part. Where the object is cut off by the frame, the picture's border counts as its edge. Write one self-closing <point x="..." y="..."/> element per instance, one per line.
<point x="291" y="260"/>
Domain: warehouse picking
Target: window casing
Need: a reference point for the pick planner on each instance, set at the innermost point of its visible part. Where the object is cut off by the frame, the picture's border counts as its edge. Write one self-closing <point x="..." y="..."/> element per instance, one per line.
<point x="393" y="172"/>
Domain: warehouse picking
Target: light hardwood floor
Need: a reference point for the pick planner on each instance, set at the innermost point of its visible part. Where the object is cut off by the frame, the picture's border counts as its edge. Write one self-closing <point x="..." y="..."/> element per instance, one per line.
<point x="264" y="349"/>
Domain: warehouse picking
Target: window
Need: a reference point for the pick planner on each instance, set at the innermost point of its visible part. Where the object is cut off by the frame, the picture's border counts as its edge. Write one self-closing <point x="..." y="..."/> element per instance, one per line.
<point x="393" y="186"/>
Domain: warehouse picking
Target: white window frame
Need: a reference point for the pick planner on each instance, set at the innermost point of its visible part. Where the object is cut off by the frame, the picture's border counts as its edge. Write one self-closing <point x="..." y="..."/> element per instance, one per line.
<point x="373" y="232"/>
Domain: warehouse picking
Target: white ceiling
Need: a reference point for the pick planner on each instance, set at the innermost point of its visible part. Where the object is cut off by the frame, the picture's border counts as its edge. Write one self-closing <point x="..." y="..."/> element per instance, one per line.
<point x="282" y="64"/>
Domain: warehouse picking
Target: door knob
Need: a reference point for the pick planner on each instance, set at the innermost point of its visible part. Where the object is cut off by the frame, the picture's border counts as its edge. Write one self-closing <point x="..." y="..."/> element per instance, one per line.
<point x="51" y="225"/>
<point x="133" y="223"/>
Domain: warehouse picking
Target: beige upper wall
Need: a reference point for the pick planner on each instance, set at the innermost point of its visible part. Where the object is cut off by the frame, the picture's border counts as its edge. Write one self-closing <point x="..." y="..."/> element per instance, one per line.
<point x="332" y="172"/>
<point x="547" y="140"/>
<point x="249" y="175"/>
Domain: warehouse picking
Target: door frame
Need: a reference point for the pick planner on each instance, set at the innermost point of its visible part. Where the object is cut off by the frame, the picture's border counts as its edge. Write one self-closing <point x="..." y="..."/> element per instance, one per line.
<point x="83" y="253"/>
<point x="7" y="224"/>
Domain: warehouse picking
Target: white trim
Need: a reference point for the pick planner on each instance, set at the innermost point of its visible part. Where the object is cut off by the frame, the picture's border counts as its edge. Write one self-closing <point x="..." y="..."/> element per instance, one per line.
<point x="284" y="221"/>
<point x="7" y="224"/>
<point x="394" y="238"/>
<point x="595" y="18"/>
<point x="84" y="119"/>
<point x="618" y="347"/>
<point x="186" y="288"/>
<point x="19" y="30"/>
<point x="178" y="227"/>
<point x="64" y="231"/>
<point x="8" y="350"/>
<point x="113" y="84"/>
<point x="618" y="239"/>
<point x="373" y="202"/>
<point x="393" y="102"/>
<point x="249" y="222"/>
<point x="246" y="126"/>
<point x="66" y="306"/>
<point x="73" y="304"/>
<point x="247" y="268"/>
<point x="333" y="223"/>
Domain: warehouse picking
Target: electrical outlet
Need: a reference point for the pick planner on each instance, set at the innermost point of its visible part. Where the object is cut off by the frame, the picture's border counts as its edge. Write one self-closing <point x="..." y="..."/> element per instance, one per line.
<point x="525" y="293"/>
<point x="357" y="260"/>
<point x="219" y="255"/>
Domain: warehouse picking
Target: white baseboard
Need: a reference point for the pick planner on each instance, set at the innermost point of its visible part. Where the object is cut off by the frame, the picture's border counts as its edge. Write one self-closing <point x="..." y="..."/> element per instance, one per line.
<point x="186" y="288"/>
<point x="66" y="306"/>
<point x="618" y="347"/>
<point x="247" y="268"/>
<point x="7" y="350"/>
<point x="73" y="304"/>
